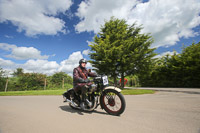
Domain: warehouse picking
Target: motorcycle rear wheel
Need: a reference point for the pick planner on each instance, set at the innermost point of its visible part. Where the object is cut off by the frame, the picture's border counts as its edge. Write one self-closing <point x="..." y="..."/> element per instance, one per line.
<point x="113" y="102"/>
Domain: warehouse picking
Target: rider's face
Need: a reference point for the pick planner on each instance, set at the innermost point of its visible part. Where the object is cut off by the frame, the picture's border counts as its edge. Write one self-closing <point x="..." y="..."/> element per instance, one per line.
<point x="83" y="64"/>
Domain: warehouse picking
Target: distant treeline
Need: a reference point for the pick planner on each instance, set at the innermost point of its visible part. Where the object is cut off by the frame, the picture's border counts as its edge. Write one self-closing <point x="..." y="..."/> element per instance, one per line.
<point x="177" y="70"/>
<point x="34" y="81"/>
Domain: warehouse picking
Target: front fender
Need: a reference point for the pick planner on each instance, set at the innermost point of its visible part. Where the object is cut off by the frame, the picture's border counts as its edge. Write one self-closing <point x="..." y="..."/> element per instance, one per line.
<point x="113" y="87"/>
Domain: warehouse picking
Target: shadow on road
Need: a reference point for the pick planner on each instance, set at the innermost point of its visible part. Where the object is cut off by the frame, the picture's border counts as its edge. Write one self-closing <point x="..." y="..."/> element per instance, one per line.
<point x="80" y="112"/>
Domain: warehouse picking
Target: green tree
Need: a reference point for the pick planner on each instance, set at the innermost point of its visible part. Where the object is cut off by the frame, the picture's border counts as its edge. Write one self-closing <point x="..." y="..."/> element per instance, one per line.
<point x="120" y="49"/>
<point x="2" y="79"/>
<point x="58" y="78"/>
<point x="1" y="72"/>
<point x="177" y="70"/>
<point x="18" y="72"/>
<point x="190" y="58"/>
<point x="31" y="81"/>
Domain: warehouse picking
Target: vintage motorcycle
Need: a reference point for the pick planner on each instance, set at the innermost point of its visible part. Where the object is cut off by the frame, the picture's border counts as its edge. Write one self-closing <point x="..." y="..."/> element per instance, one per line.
<point x="108" y="97"/>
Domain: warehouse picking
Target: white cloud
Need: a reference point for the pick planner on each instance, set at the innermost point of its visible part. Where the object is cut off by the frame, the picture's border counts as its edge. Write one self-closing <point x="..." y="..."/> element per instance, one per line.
<point x="22" y="53"/>
<point x="45" y="66"/>
<point x="7" y="47"/>
<point x="69" y="64"/>
<point x="7" y="36"/>
<point x="72" y="62"/>
<point x="86" y="52"/>
<point x="35" y="16"/>
<point x="93" y="13"/>
<point x="8" y="67"/>
<point x="167" y="20"/>
<point x="165" y="53"/>
<point x="6" y="63"/>
<point x="38" y="66"/>
<point x="89" y="43"/>
<point x="41" y="66"/>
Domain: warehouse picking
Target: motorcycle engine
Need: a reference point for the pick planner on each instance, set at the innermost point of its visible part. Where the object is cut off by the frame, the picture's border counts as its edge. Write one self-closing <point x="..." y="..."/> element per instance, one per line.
<point x="93" y="88"/>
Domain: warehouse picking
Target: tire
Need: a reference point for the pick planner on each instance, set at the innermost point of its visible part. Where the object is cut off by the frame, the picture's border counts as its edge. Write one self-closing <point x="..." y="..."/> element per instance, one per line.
<point x="110" y="99"/>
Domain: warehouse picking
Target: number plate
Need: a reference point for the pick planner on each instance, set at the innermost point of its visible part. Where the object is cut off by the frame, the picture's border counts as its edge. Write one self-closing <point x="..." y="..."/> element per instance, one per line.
<point x="105" y="80"/>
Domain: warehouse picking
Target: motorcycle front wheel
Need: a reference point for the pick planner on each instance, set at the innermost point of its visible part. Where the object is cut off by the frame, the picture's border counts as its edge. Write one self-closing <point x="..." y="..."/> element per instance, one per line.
<point x="113" y="102"/>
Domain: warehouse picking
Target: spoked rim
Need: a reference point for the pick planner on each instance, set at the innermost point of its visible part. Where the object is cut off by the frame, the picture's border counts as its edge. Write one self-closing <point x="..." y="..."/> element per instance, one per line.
<point x="112" y="102"/>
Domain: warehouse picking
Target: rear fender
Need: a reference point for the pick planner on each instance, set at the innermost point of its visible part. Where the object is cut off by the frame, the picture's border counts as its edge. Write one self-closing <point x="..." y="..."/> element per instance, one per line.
<point x="68" y="93"/>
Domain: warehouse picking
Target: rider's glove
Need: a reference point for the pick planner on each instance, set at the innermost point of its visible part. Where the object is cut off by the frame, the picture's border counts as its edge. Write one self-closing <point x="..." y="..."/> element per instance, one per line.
<point x="87" y="80"/>
<point x="80" y="80"/>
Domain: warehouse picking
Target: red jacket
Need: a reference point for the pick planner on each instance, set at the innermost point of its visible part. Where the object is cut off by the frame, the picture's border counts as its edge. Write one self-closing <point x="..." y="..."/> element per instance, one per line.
<point x="79" y="75"/>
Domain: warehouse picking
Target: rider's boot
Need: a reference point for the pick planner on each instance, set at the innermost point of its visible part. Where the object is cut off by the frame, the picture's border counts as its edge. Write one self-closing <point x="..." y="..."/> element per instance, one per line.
<point x="85" y="103"/>
<point x="82" y="104"/>
<point x="83" y="98"/>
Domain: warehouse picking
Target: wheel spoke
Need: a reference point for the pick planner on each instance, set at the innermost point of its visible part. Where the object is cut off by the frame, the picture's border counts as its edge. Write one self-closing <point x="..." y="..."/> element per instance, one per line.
<point x="110" y="94"/>
<point x="117" y="103"/>
<point x="113" y="102"/>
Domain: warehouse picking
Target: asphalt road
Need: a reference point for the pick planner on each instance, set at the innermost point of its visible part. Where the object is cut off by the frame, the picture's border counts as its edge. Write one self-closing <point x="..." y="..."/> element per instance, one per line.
<point x="162" y="112"/>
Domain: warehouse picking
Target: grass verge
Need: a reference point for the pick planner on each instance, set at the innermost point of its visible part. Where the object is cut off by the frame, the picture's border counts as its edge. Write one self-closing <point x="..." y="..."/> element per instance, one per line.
<point x="136" y="92"/>
<point x="33" y="92"/>
<point x="60" y="92"/>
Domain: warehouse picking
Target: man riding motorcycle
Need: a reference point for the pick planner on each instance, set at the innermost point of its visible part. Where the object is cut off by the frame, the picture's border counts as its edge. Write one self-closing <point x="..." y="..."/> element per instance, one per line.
<point x="81" y="81"/>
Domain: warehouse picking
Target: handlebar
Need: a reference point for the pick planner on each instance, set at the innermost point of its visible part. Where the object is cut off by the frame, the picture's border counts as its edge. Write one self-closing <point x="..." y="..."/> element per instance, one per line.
<point x="96" y="78"/>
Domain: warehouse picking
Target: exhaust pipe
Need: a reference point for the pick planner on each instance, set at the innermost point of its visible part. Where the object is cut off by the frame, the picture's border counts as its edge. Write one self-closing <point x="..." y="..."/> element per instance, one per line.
<point x="77" y="107"/>
<point x="72" y="103"/>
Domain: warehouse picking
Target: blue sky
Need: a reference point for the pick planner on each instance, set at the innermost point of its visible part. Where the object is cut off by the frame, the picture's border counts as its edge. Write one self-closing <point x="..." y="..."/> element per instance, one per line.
<point x="49" y="36"/>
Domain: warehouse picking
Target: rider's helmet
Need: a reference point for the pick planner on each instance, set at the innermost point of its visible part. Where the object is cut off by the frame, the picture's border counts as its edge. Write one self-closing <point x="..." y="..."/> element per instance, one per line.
<point x="82" y="61"/>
